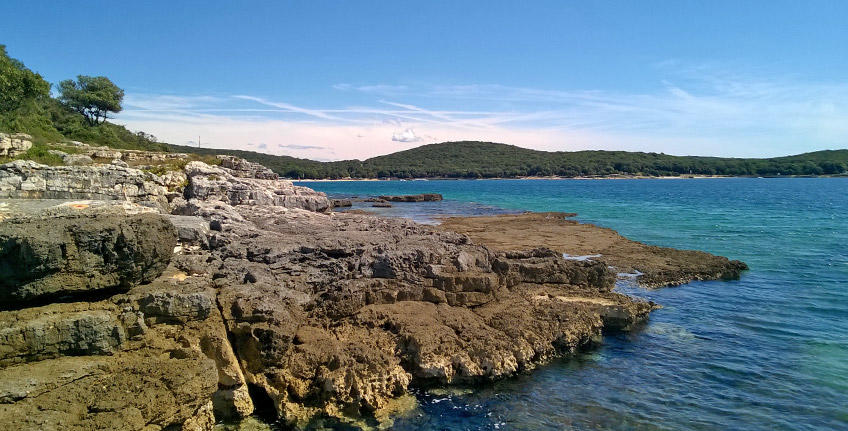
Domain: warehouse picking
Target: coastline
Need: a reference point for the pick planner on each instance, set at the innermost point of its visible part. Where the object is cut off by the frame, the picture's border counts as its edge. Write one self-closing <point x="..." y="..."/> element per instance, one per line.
<point x="638" y="177"/>
<point x="257" y="294"/>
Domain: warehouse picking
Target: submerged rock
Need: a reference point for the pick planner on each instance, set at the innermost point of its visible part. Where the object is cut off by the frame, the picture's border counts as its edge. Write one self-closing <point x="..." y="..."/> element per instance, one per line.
<point x="423" y="197"/>
<point x="650" y="266"/>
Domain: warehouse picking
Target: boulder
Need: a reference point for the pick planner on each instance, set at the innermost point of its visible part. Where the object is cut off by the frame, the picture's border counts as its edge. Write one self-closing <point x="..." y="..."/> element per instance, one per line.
<point x="339" y="203"/>
<point x="423" y="197"/>
<point x="72" y="159"/>
<point x="80" y="249"/>
<point x="191" y="230"/>
<point x="242" y="168"/>
<point x="208" y="183"/>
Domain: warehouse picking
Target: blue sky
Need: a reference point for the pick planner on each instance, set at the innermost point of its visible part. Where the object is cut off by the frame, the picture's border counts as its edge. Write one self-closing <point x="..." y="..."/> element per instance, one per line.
<point x="353" y="79"/>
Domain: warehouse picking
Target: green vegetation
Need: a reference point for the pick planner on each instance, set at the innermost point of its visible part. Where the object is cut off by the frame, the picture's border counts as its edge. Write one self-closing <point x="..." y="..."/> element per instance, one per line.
<point x="490" y="160"/>
<point x="79" y="114"/>
<point x="92" y="96"/>
<point x="81" y="110"/>
<point x="39" y="154"/>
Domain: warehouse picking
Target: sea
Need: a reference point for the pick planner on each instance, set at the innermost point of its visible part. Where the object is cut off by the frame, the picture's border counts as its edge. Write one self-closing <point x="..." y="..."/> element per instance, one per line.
<point x="766" y="352"/>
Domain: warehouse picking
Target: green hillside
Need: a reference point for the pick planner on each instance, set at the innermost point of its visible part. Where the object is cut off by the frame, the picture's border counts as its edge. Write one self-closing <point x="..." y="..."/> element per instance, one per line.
<point x="27" y="106"/>
<point x="491" y="160"/>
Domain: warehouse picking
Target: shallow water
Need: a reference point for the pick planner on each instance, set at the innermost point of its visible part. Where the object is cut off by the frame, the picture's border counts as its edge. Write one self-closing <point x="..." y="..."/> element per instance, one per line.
<point x="767" y="352"/>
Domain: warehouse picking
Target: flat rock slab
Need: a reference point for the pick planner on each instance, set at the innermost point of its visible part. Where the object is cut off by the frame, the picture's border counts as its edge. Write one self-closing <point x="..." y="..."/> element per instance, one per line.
<point x="656" y="266"/>
<point x="423" y="197"/>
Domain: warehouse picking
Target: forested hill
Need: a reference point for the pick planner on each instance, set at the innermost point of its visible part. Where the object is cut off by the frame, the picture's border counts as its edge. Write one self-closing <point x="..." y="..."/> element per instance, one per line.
<point x="491" y="160"/>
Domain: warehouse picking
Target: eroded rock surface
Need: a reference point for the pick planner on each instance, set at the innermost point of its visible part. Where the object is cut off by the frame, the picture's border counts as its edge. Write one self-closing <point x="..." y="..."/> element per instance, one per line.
<point x="651" y="265"/>
<point x="336" y="314"/>
<point x="206" y="183"/>
<point x="324" y="314"/>
<point x="80" y="249"/>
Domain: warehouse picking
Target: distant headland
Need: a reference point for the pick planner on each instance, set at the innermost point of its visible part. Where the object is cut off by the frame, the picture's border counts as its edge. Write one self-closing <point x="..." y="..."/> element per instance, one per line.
<point x="472" y="159"/>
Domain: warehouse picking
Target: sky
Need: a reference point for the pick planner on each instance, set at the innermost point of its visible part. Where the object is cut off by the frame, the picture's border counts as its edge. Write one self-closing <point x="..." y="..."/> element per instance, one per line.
<point x="331" y="80"/>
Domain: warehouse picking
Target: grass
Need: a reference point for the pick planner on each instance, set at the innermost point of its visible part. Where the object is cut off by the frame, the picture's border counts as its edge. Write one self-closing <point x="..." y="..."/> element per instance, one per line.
<point x="39" y="154"/>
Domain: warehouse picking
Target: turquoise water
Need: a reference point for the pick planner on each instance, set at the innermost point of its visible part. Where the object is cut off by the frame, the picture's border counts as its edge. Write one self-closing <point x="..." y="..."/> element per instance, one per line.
<point x="767" y="352"/>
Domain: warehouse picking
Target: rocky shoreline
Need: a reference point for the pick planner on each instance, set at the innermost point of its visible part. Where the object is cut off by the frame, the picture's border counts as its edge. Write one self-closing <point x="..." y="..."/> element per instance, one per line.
<point x="177" y="300"/>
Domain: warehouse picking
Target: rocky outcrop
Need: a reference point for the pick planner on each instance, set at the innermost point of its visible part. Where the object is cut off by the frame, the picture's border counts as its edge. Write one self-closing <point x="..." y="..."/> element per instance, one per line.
<point x="213" y="183"/>
<point x="242" y="168"/>
<point x="650" y="266"/>
<point x="79" y="249"/>
<point x="336" y="314"/>
<point x="133" y="157"/>
<point x="23" y="179"/>
<point x="326" y="314"/>
<point x="423" y="197"/>
<point x="13" y="145"/>
<point x="142" y="359"/>
<point x="72" y="159"/>
<point x="341" y="203"/>
<point x="252" y="286"/>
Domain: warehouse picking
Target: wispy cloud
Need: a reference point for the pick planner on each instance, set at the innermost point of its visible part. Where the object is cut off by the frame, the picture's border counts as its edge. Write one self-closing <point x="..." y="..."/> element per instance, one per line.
<point x="286" y="107"/>
<point x="694" y="110"/>
<point x="377" y="89"/>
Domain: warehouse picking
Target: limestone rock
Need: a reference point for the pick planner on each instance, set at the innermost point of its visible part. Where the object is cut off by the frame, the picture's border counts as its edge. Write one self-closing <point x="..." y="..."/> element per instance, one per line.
<point x="126" y="391"/>
<point x="72" y="252"/>
<point x="177" y="307"/>
<point x="30" y="180"/>
<point x="12" y="145"/>
<point x="28" y="336"/>
<point x="72" y="159"/>
<point x="242" y="168"/>
<point x="207" y="182"/>
<point x="191" y="230"/>
<point x="335" y="314"/>
<point x="339" y="203"/>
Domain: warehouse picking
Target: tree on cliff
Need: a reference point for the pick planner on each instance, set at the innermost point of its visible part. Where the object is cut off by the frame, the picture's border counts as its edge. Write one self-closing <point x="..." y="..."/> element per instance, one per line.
<point x="92" y="96"/>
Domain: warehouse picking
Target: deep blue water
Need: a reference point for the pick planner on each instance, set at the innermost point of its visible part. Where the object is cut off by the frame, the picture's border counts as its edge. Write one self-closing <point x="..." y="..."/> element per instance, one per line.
<point x="767" y="352"/>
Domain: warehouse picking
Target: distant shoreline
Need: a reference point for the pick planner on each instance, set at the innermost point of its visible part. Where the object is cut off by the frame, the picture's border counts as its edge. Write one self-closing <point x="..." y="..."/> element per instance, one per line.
<point x="634" y="177"/>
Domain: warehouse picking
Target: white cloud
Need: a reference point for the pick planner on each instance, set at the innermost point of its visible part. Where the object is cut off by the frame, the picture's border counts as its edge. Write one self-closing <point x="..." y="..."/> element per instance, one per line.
<point x="407" y="135"/>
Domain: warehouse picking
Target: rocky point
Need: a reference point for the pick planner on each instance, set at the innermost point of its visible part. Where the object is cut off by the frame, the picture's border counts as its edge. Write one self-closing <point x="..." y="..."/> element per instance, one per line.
<point x="142" y="301"/>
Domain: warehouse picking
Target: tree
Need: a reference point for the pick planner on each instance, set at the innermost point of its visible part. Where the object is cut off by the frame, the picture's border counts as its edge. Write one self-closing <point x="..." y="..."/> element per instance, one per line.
<point x="18" y="84"/>
<point x="92" y="96"/>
